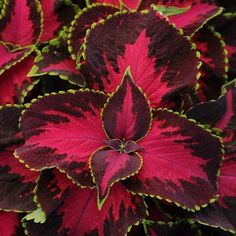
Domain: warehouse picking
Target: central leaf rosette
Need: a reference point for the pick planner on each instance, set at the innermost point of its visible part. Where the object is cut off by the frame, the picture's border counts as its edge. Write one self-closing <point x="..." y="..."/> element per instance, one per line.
<point x="99" y="140"/>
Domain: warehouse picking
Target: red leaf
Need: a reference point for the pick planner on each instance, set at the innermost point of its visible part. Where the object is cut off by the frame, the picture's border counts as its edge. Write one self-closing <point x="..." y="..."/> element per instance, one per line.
<point x="180" y="160"/>
<point x="109" y="166"/>
<point x="9" y="223"/>
<point x="22" y="23"/>
<point x="190" y="21"/>
<point x="16" y="183"/>
<point x="127" y="115"/>
<point x="78" y="213"/>
<point x="10" y="56"/>
<point x="55" y="60"/>
<point x="15" y="83"/>
<point x="66" y="131"/>
<point x="162" y="63"/>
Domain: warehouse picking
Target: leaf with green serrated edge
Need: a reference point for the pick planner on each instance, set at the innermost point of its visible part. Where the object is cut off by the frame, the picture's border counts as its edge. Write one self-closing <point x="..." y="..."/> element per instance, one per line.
<point x="162" y="63"/>
<point x="213" y="70"/>
<point x="66" y="131"/>
<point x="10" y="56"/>
<point x="180" y="160"/>
<point x="15" y="83"/>
<point x="55" y="60"/>
<point x="82" y="22"/>
<point x="119" y="212"/>
<point x="127" y="115"/>
<point x="109" y="166"/>
<point x="190" y="21"/>
<point x="120" y="3"/>
<point x="22" y="23"/>
<point x="171" y="10"/>
<point x="56" y="15"/>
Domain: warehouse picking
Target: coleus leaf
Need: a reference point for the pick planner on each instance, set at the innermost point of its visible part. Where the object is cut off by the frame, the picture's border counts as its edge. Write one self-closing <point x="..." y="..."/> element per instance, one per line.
<point x="119" y="212"/>
<point x="10" y="224"/>
<point x="159" y="62"/>
<point x="215" y="63"/>
<point x="120" y="3"/>
<point x="16" y="183"/>
<point x="56" y="15"/>
<point x="22" y="23"/>
<point x="222" y="213"/>
<point x="15" y="83"/>
<point x="190" y="21"/>
<point x="65" y="132"/>
<point x="11" y="55"/>
<point x="180" y="160"/>
<point x="219" y="113"/>
<point x="127" y="115"/>
<point x="109" y="166"/>
<point x="55" y="60"/>
<point x="82" y="22"/>
<point x="9" y="121"/>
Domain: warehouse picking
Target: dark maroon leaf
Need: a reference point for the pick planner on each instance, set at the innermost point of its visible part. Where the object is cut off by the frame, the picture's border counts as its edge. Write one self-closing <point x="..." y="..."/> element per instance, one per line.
<point x="16" y="183"/>
<point x="9" y="121"/>
<point x="215" y="63"/>
<point x="79" y="215"/>
<point x="66" y="131"/>
<point x="82" y="22"/>
<point x="124" y="3"/>
<point x="161" y="61"/>
<point x="219" y="113"/>
<point x="127" y="115"/>
<point x="180" y="162"/>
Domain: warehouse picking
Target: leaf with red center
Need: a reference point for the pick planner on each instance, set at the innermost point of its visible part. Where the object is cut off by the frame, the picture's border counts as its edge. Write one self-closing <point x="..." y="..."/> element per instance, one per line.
<point x="127" y="115"/>
<point x="109" y="166"/>
<point x="180" y="162"/>
<point x="120" y="3"/>
<point x="215" y="63"/>
<point x="62" y="131"/>
<point x="190" y="21"/>
<point x="10" y="224"/>
<point x="22" y="23"/>
<point x="16" y="183"/>
<point x="82" y="22"/>
<point x="10" y="56"/>
<point x="55" y="60"/>
<point x="9" y="121"/>
<point x="219" y="113"/>
<point x="161" y="61"/>
<point x="15" y="83"/>
<point x="222" y="213"/>
<point x="56" y="14"/>
<point x="78" y="213"/>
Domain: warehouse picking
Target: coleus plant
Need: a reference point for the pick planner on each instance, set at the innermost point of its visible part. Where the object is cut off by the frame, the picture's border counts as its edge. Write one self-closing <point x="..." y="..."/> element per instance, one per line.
<point x="136" y="140"/>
